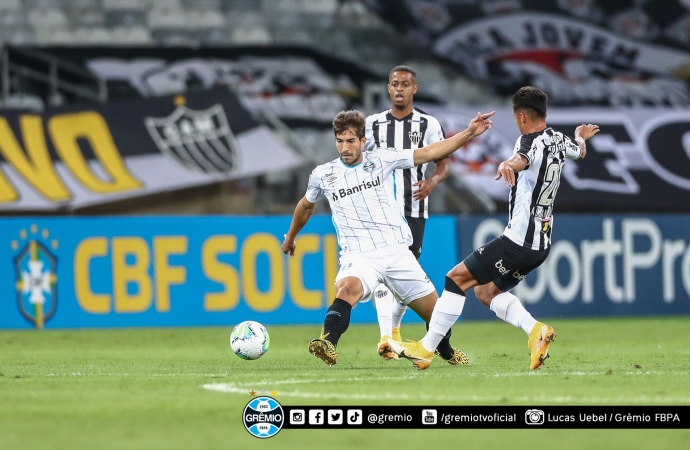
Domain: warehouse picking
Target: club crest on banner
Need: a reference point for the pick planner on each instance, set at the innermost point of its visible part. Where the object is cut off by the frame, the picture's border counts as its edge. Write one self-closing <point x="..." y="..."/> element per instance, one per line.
<point x="36" y="275"/>
<point x="199" y="140"/>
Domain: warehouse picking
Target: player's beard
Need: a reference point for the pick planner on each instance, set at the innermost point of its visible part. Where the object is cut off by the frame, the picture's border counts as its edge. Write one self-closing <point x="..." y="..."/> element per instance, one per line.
<point x="355" y="154"/>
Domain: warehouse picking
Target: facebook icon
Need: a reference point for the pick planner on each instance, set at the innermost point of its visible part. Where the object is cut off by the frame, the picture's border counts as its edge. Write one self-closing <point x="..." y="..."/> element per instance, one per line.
<point x="316" y="417"/>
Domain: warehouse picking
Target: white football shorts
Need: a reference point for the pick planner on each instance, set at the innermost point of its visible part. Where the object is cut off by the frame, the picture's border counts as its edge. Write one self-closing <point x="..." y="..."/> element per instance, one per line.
<point x="395" y="266"/>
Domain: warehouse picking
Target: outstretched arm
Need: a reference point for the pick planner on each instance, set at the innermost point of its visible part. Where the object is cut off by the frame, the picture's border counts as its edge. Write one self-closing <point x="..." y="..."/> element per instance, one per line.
<point x="509" y="167"/>
<point x="303" y="212"/>
<point x="441" y="149"/>
<point x="582" y="133"/>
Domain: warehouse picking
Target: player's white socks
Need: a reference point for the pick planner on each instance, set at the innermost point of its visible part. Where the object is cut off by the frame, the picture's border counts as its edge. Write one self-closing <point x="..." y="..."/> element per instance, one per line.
<point x="398" y="312"/>
<point x="384" y="309"/>
<point x="509" y="309"/>
<point x="446" y="312"/>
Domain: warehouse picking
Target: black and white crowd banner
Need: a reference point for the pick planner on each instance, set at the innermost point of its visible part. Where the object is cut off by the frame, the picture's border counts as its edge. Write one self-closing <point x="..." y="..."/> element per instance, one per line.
<point x="578" y="52"/>
<point x="301" y="86"/>
<point x="640" y="160"/>
<point x="76" y="156"/>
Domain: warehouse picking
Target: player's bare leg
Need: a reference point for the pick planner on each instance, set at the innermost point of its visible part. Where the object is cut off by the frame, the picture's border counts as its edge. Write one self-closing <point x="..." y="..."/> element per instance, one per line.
<point x="349" y="291"/>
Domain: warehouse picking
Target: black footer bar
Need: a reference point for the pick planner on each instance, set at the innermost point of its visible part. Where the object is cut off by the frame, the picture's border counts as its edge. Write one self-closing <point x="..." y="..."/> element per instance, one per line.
<point x="455" y="417"/>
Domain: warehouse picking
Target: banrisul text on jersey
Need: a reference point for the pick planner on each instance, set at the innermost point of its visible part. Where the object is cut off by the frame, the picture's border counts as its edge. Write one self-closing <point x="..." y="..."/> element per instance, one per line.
<point x="344" y="192"/>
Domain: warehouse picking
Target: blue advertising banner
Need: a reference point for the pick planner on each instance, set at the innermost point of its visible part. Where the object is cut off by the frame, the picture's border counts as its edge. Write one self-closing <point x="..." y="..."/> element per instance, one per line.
<point x="193" y="271"/>
<point x="599" y="265"/>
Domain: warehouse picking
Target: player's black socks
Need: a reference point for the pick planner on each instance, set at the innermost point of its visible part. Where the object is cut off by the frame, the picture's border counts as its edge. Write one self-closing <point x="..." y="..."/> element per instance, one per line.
<point x="337" y="320"/>
<point x="444" y="348"/>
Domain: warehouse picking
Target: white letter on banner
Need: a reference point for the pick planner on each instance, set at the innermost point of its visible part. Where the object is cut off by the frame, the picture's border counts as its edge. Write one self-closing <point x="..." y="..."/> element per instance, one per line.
<point x="685" y="271"/>
<point x="609" y="248"/>
<point x="487" y="230"/>
<point x="564" y="294"/>
<point x="672" y="250"/>
<point x="632" y="260"/>
<point x="532" y="294"/>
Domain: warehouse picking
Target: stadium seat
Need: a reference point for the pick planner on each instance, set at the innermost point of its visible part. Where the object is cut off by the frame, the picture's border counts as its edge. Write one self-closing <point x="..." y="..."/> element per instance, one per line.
<point x="202" y="4"/>
<point x="214" y="36"/>
<point x="246" y="19"/>
<point x="54" y="36"/>
<point x="175" y="36"/>
<point x="47" y="18"/>
<point x="166" y="4"/>
<point x="82" y="4"/>
<point x="319" y="6"/>
<point x="12" y="18"/>
<point x="28" y="102"/>
<point x="16" y="36"/>
<point x="125" y="5"/>
<point x="291" y="36"/>
<point x="87" y="17"/>
<point x="251" y="36"/>
<point x="240" y="5"/>
<point x="42" y="4"/>
<point x="167" y="18"/>
<point x="131" y="36"/>
<point x="205" y="18"/>
<point x="125" y="18"/>
<point x="10" y="5"/>
<point x="93" y="36"/>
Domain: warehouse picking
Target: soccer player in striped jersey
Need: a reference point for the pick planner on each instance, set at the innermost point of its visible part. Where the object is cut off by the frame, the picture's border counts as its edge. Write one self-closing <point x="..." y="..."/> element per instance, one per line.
<point x="402" y="127"/>
<point x="533" y="174"/>
<point x="372" y="232"/>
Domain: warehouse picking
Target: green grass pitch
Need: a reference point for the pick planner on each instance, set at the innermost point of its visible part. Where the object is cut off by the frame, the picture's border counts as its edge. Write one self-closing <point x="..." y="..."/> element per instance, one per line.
<point x="149" y="388"/>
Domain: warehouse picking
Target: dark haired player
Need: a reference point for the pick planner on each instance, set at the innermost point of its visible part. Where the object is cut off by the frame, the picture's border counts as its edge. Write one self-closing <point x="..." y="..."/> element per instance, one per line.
<point x="533" y="174"/>
<point x="402" y="127"/>
<point x="372" y="232"/>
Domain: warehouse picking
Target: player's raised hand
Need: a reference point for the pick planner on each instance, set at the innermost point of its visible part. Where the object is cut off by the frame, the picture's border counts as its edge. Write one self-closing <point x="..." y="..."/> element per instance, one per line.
<point x="586" y="131"/>
<point x="289" y="246"/>
<point x="480" y="124"/>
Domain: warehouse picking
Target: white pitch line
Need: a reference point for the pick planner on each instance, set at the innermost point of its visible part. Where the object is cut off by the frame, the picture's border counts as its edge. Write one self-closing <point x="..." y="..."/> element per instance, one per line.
<point x="233" y="388"/>
<point x="413" y="375"/>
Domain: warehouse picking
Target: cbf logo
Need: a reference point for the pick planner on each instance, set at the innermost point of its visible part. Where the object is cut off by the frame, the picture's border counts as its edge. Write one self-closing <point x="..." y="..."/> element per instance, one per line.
<point x="36" y="275"/>
<point x="263" y="417"/>
<point x="199" y="140"/>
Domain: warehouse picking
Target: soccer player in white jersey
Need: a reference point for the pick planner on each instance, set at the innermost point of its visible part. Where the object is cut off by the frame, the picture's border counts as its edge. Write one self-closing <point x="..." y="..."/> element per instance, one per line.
<point x="402" y="127"/>
<point x="538" y="159"/>
<point x="372" y="232"/>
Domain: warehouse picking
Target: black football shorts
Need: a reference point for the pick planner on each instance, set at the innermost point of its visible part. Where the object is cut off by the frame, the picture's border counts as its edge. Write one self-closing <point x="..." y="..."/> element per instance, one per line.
<point x="503" y="262"/>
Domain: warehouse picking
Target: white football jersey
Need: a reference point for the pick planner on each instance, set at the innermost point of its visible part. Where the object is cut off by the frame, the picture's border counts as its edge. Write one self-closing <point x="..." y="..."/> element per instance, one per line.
<point x="363" y="201"/>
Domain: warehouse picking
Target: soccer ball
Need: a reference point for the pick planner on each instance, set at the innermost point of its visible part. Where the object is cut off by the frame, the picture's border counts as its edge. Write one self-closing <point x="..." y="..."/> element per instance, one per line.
<point x="249" y="340"/>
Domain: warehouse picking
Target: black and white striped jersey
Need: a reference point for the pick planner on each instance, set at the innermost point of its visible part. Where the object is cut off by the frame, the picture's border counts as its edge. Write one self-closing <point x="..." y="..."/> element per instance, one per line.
<point x="416" y="130"/>
<point x="531" y="199"/>
<point x="365" y="211"/>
